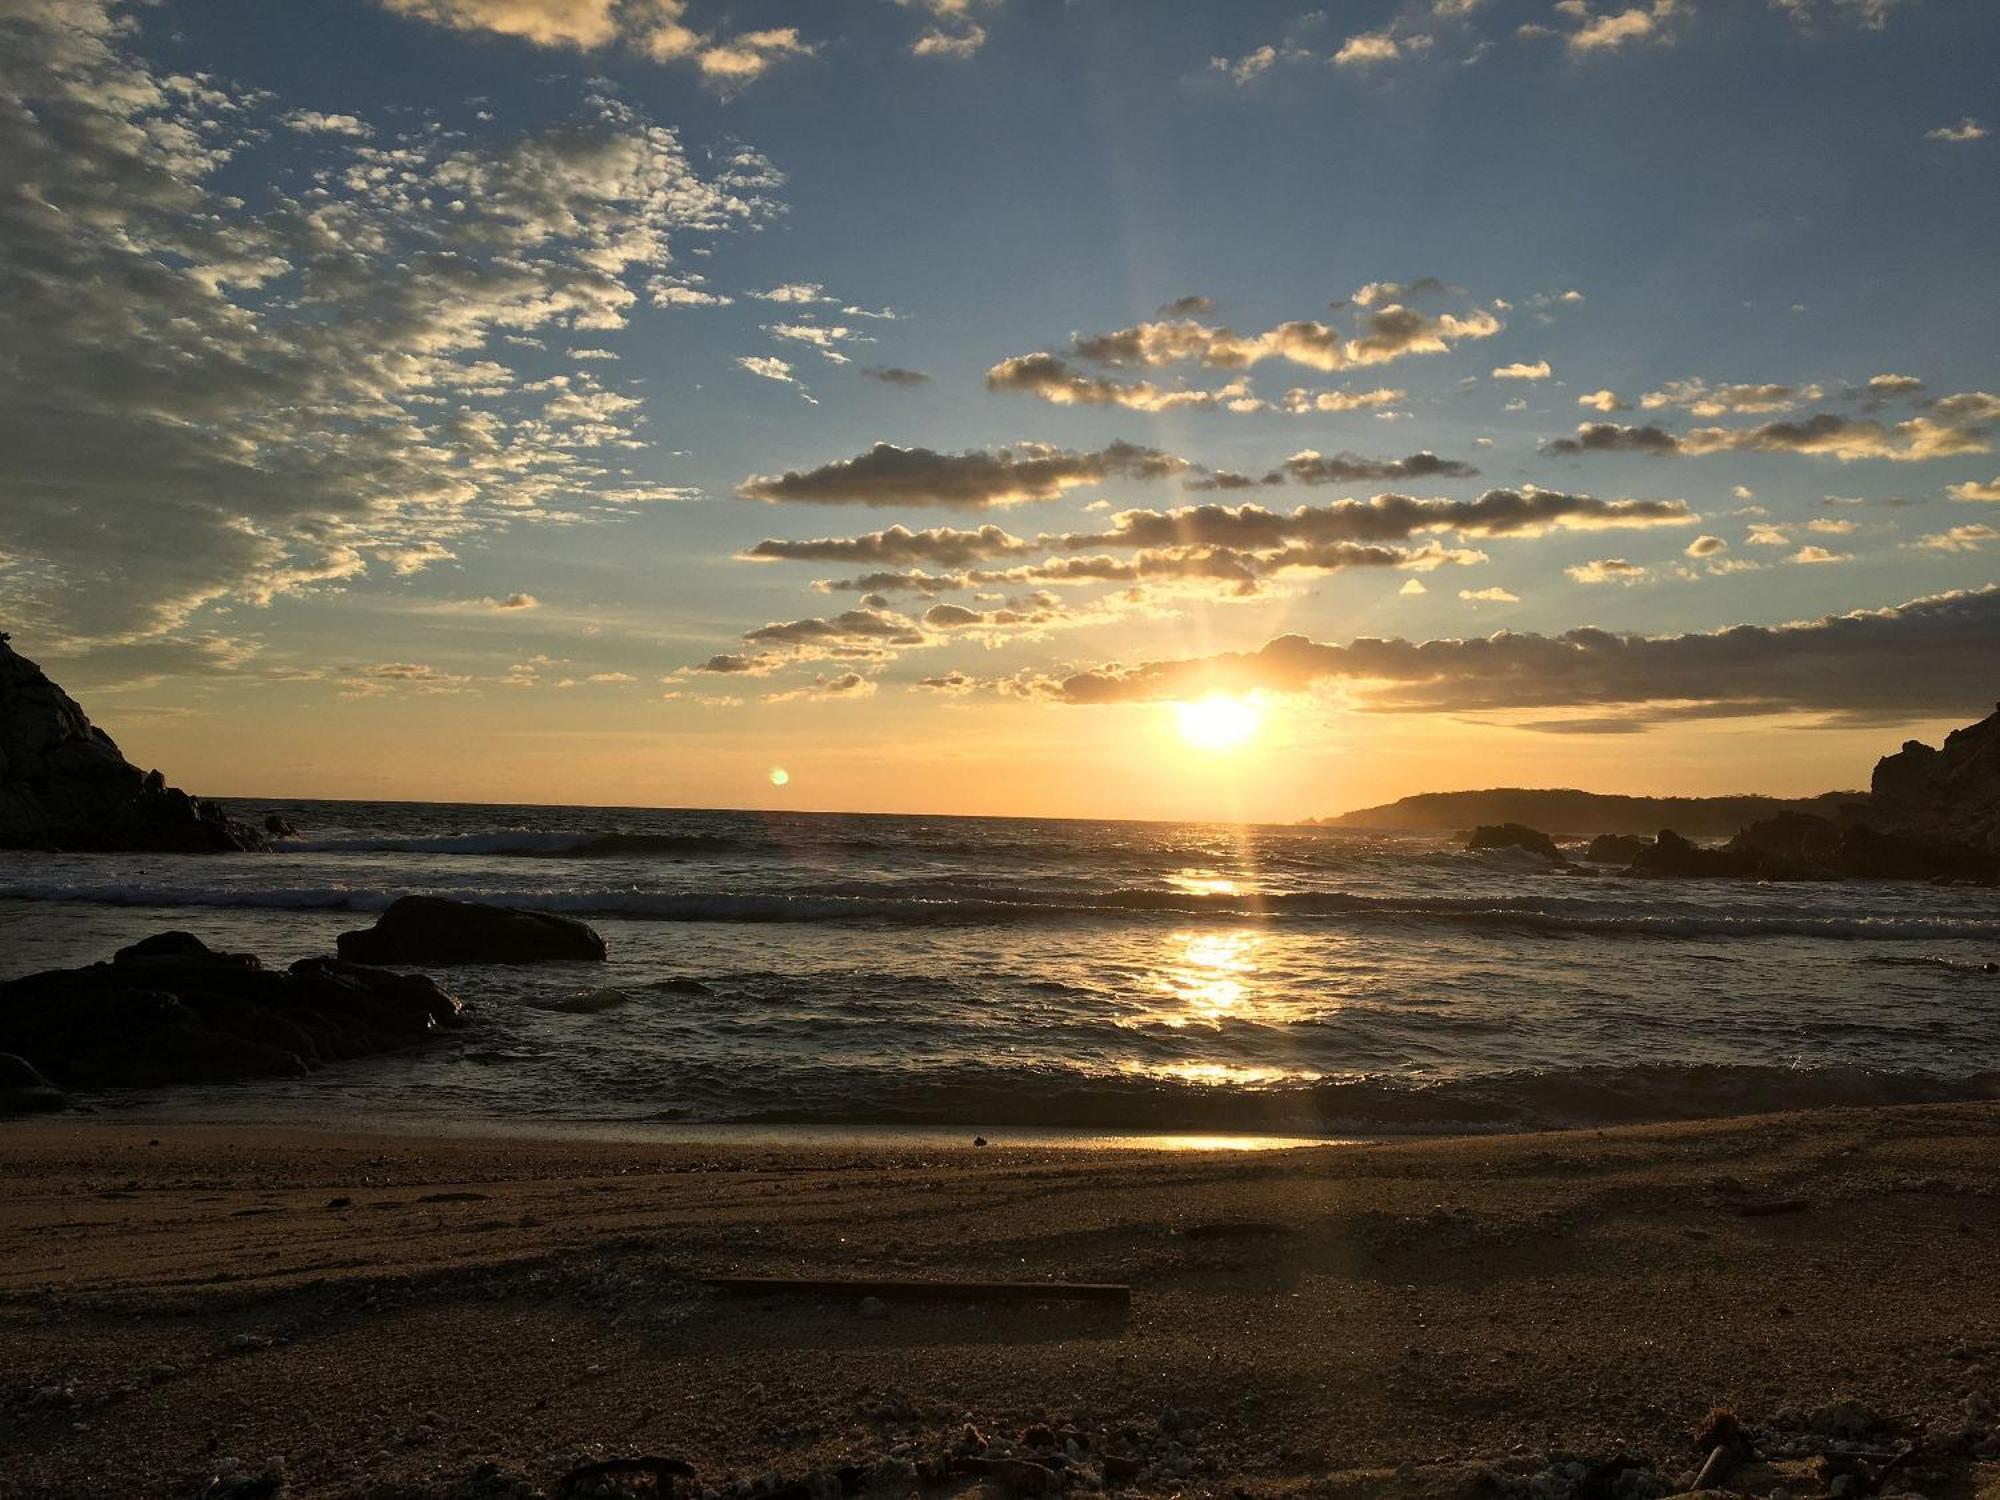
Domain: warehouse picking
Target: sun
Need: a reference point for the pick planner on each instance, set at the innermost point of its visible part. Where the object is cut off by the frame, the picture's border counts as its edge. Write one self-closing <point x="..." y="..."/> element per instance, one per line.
<point x="1218" y="722"/>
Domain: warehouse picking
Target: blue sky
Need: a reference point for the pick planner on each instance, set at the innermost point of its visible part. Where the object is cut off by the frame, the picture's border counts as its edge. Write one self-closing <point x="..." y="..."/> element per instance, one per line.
<point x="1708" y="220"/>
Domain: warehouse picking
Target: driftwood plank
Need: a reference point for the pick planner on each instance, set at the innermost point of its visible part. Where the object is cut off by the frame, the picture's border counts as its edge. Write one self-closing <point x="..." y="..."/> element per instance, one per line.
<point x="910" y="1290"/>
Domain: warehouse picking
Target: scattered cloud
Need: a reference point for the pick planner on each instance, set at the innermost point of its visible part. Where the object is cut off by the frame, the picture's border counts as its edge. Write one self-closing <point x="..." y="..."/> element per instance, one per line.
<point x="896" y="375"/>
<point x="1614" y="30"/>
<point x="1606" y="570"/>
<point x="172" y="368"/>
<point x="1964" y="132"/>
<point x="655" y="29"/>
<point x="1706" y="545"/>
<point x="1954" y="425"/>
<point x="1929" y="657"/>
<point x="1816" y="555"/>
<point x="1489" y="596"/>
<point x="1959" y="538"/>
<point x="1976" y="489"/>
<point x="1604" y="401"/>
<point x="1539" y="370"/>
<point x="888" y="475"/>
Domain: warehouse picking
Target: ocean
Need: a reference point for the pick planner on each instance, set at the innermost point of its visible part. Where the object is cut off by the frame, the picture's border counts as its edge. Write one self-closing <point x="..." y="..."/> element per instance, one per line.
<point x="1188" y="980"/>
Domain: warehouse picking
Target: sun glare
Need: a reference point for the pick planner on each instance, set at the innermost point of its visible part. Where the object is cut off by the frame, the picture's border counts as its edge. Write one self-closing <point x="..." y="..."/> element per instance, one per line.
<point x="1217" y="723"/>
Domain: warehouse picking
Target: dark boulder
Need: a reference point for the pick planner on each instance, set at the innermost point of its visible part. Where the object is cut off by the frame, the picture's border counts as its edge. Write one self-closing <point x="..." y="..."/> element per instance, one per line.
<point x="435" y="930"/>
<point x="172" y="1010"/>
<point x="23" y="1091"/>
<point x="1515" y="836"/>
<point x="64" y="785"/>
<point x="1670" y="854"/>
<point x="278" y="826"/>
<point x="1615" y="848"/>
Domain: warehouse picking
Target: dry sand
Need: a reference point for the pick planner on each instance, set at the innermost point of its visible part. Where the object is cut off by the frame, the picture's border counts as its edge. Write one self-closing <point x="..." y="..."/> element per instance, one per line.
<point x="390" y="1315"/>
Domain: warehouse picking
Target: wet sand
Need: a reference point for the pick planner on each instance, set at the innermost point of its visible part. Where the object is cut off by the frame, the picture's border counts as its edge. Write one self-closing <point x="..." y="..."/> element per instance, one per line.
<point x="396" y="1315"/>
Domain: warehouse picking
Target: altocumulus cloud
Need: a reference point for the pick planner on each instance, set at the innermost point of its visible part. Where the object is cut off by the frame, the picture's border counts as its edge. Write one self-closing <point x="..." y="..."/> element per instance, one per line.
<point x="1929" y="656"/>
<point x="657" y="29"/>
<point x="172" y="369"/>
<point x="888" y="475"/>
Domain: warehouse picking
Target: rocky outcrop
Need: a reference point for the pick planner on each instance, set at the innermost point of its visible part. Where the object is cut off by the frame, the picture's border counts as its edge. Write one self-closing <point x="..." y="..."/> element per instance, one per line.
<point x="172" y="1010"/>
<point x="64" y="785"/>
<point x="434" y="930"/>
<point x="23" y="1091"/>
<point x="1515" y="836"/>
<point x="1670" y="854"/>
<point x="1615" y="849"/>
<point x="1951" y="793"/>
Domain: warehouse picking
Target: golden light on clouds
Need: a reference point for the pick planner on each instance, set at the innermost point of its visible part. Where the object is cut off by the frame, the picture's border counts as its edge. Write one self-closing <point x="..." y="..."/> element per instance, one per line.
<point x="1218" y="722"/>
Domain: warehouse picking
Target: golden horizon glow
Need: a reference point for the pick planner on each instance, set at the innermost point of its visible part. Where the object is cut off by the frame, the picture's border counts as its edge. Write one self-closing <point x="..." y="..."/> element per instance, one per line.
<point x="1218" y="722"/>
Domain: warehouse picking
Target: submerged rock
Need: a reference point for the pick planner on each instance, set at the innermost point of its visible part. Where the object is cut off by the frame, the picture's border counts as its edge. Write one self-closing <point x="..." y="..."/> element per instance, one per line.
<point x="436" y="930"/>
<point x="65" y="786"/>
<point x="172" y="1010"/>
<point x="1515" y="836"/>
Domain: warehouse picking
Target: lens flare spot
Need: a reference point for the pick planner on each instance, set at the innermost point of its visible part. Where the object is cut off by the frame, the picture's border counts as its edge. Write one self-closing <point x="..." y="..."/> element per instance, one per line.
<point x="1218" y="722"/>
<point x="779" y="776"/>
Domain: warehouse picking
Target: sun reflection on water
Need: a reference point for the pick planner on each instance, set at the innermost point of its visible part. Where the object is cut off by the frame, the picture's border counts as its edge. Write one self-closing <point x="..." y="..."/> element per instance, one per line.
<point x="1210" y="978"/>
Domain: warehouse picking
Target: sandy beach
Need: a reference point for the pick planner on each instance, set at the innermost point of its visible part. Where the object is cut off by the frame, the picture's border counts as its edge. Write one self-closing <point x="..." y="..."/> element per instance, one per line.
<point x="183" y="1307"/>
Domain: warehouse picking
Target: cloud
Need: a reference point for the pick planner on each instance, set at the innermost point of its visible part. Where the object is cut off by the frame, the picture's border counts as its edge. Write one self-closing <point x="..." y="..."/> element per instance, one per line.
<point x="1056" y="380"/>
<point x="1964" y="132"/>
<point x="1976" y="489"/>
<point x="896" y="375"/>
<point x="888" y="475"/>
<point x="312" y="122"/>
<point x="1497" y="513"/>
<point x="953" y="32"/>
<point x="871" y="628"/>
<point x="1366" y="49"/>
<point x="1814" y="555"/>
<point x="899" y="546"/>
<point x="1616" y="29"/>
<point x="1870" y="15"/>
<point x="797" y="293"/>
<point x="1539" y="370"/>
<point x="1187" y="307"/>
<point x="1894" y="385"/>
<point x="1705" y="400"/>
<point x="1301" y="402"/>
<point x="1379" y="335"/>
<point x="1489" y="596"/>
<point x="655" y="29"/>
<point x="1308" y="466"/>
<point x="1606" y="570"/>
<point x="1413" y="586"/>
<point x="1959" y="538"/>
<point x="1604" y="401"/>
<point x="768" y="367"/>
<point x="826" y="338"/>
<point x="1955" y="425"/>
<point x="1706" y="545"/>
<point x="174" y="368"/>
<point x="845" y="685"/>
<point x="1930" y="657"/>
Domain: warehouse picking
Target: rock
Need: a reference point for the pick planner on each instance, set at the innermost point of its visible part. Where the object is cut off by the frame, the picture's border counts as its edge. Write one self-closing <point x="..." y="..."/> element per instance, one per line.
<point x="1515" y="836"/>
<point x="436" y="930"/>
<point x="171" y="1010"/>
<point x="65" y="786"/>
<point x="279" y="827"/>
<point x="1615" y="848"/>
<point x="23" y="1091"/>
<point x="1951" y="793"/>
<point x="1670" y="854"/>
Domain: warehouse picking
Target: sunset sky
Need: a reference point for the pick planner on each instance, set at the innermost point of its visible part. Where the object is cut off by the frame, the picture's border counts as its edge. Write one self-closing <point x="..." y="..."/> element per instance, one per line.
<point x="617" y="401"/>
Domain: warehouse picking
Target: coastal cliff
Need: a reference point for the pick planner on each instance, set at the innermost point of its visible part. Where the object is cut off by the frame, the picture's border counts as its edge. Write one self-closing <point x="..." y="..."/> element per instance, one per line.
<point x="64" y="785"/>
